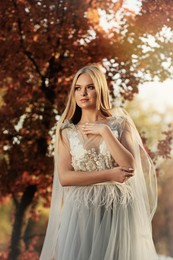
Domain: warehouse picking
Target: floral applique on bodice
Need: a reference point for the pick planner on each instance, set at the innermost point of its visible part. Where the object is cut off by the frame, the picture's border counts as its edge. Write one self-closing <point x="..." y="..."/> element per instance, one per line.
<point x="94" y="158"/>
<point x="91" y="154"/>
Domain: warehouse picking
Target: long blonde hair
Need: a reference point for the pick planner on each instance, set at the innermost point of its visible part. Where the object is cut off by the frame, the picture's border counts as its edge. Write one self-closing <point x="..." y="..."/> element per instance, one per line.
<point x="72" y="111"/>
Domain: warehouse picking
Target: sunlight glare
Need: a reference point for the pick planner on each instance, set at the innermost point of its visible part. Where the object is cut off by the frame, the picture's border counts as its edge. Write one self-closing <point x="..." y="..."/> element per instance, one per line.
<point x="158" y="95"/>
<point x="133" y="5"/>
<point x="112" y="21"/>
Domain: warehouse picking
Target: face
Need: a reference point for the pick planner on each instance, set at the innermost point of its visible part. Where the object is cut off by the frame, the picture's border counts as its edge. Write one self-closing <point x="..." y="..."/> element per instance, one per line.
<point x="85" y="92"/>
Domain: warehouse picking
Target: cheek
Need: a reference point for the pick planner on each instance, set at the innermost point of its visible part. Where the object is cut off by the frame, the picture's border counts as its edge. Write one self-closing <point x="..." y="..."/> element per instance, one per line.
<point x="94" y="95"/>
<point x="76" y="97"/>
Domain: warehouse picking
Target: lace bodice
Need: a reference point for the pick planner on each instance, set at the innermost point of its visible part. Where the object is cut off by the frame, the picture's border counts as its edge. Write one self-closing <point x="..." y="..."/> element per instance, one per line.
<point x="91" y="154"/>
<point x="93" y="159"/>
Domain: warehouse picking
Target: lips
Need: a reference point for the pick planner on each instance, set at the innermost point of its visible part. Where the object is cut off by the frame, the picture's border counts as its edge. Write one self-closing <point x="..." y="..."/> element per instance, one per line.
<point x="84" y="99"/>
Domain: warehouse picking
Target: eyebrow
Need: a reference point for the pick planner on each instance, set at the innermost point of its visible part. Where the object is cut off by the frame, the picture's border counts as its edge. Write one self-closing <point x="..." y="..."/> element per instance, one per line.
<point x="86" y="85"/>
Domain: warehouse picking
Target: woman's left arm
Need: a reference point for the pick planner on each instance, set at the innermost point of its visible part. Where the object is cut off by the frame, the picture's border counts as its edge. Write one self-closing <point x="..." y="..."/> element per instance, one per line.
<point x="121" y="150"/>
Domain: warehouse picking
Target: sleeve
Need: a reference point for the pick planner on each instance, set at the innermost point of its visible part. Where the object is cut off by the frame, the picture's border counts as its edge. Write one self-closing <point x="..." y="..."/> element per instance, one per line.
<point x="144" y="181"/>
<point x="117" y="125"/>
<point x="64" y="137"/>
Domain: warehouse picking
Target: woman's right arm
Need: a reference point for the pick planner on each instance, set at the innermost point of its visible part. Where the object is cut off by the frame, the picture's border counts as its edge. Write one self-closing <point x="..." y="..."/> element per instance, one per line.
<point x="69" y="177"/>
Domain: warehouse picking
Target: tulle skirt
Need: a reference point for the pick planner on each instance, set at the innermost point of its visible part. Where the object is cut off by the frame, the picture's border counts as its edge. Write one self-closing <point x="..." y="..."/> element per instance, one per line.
<point x="91" y="232"/>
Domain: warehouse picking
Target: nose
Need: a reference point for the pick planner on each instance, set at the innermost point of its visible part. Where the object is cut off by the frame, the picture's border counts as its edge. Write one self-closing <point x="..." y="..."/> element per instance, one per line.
<point x="84" y="92"/>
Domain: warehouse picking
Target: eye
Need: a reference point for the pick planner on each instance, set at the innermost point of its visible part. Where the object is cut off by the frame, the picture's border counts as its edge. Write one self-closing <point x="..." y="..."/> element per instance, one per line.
<point x="90" y="87"/>
<point x="77" y="88"/>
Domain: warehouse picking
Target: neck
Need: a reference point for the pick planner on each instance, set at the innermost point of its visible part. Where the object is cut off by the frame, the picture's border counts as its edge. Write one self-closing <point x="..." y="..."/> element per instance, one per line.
<point x="90" y="117"/>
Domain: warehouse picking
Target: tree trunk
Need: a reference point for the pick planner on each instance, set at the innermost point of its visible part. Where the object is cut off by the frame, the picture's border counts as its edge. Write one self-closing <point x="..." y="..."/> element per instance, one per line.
<point x="20" y="222"/>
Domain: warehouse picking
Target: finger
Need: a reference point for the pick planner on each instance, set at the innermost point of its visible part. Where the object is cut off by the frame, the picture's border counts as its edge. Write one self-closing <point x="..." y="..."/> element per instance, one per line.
<point x="125" y="179"/>
<point x="86" y="127"/>
<point x="125" y="169"/>
<point x="87" y="131"/>
<point x="128" y="175"/>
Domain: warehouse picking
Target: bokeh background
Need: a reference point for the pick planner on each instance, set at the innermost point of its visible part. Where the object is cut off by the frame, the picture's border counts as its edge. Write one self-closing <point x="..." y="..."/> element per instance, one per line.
<point x="42" y="44"/>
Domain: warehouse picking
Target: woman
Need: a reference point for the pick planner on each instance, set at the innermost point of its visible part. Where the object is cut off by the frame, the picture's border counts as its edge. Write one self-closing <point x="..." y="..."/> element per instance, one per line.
<point x="104" y="190"/>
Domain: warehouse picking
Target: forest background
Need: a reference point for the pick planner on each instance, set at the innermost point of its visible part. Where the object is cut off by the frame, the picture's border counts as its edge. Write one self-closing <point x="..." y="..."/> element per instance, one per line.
<point x="42" y="44"/>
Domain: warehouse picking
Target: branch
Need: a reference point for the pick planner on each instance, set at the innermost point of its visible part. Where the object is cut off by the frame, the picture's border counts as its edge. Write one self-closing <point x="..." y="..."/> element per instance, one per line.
<point x="31" y="58"/>
<point x="27" y="53"/>
<point x="16" y="202"/>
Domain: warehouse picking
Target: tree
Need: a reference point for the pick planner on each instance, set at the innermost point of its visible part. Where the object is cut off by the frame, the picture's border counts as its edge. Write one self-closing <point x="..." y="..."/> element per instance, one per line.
<point x="42" y="44"/>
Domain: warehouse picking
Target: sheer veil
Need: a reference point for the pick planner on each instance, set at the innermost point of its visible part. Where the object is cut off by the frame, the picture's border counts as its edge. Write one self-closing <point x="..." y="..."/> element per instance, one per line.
<point x="144" y="186"/>
<point x="145" y="178"/>
<point x="55" y="212"/>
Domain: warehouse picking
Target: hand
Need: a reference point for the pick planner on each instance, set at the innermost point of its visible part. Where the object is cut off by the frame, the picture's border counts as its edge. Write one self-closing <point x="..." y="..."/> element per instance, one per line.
<point x="94" y="128"/>
<point x="121" y="174"/>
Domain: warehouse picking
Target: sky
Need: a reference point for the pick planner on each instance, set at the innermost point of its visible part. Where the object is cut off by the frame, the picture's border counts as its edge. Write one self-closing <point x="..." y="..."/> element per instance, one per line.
<point x="157" y="94"/>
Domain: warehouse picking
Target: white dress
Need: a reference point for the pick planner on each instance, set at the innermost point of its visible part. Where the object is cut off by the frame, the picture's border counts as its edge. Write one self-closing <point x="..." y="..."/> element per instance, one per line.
<point x="105" y="221"/>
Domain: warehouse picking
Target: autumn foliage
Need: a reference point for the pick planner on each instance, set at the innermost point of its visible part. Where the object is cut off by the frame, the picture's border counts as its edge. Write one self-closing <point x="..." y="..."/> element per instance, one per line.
<point x="43" y="43"/>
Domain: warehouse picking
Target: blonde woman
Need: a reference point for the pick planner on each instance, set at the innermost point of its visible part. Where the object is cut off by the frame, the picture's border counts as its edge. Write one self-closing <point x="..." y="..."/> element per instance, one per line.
<point x="104" y="190"/>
